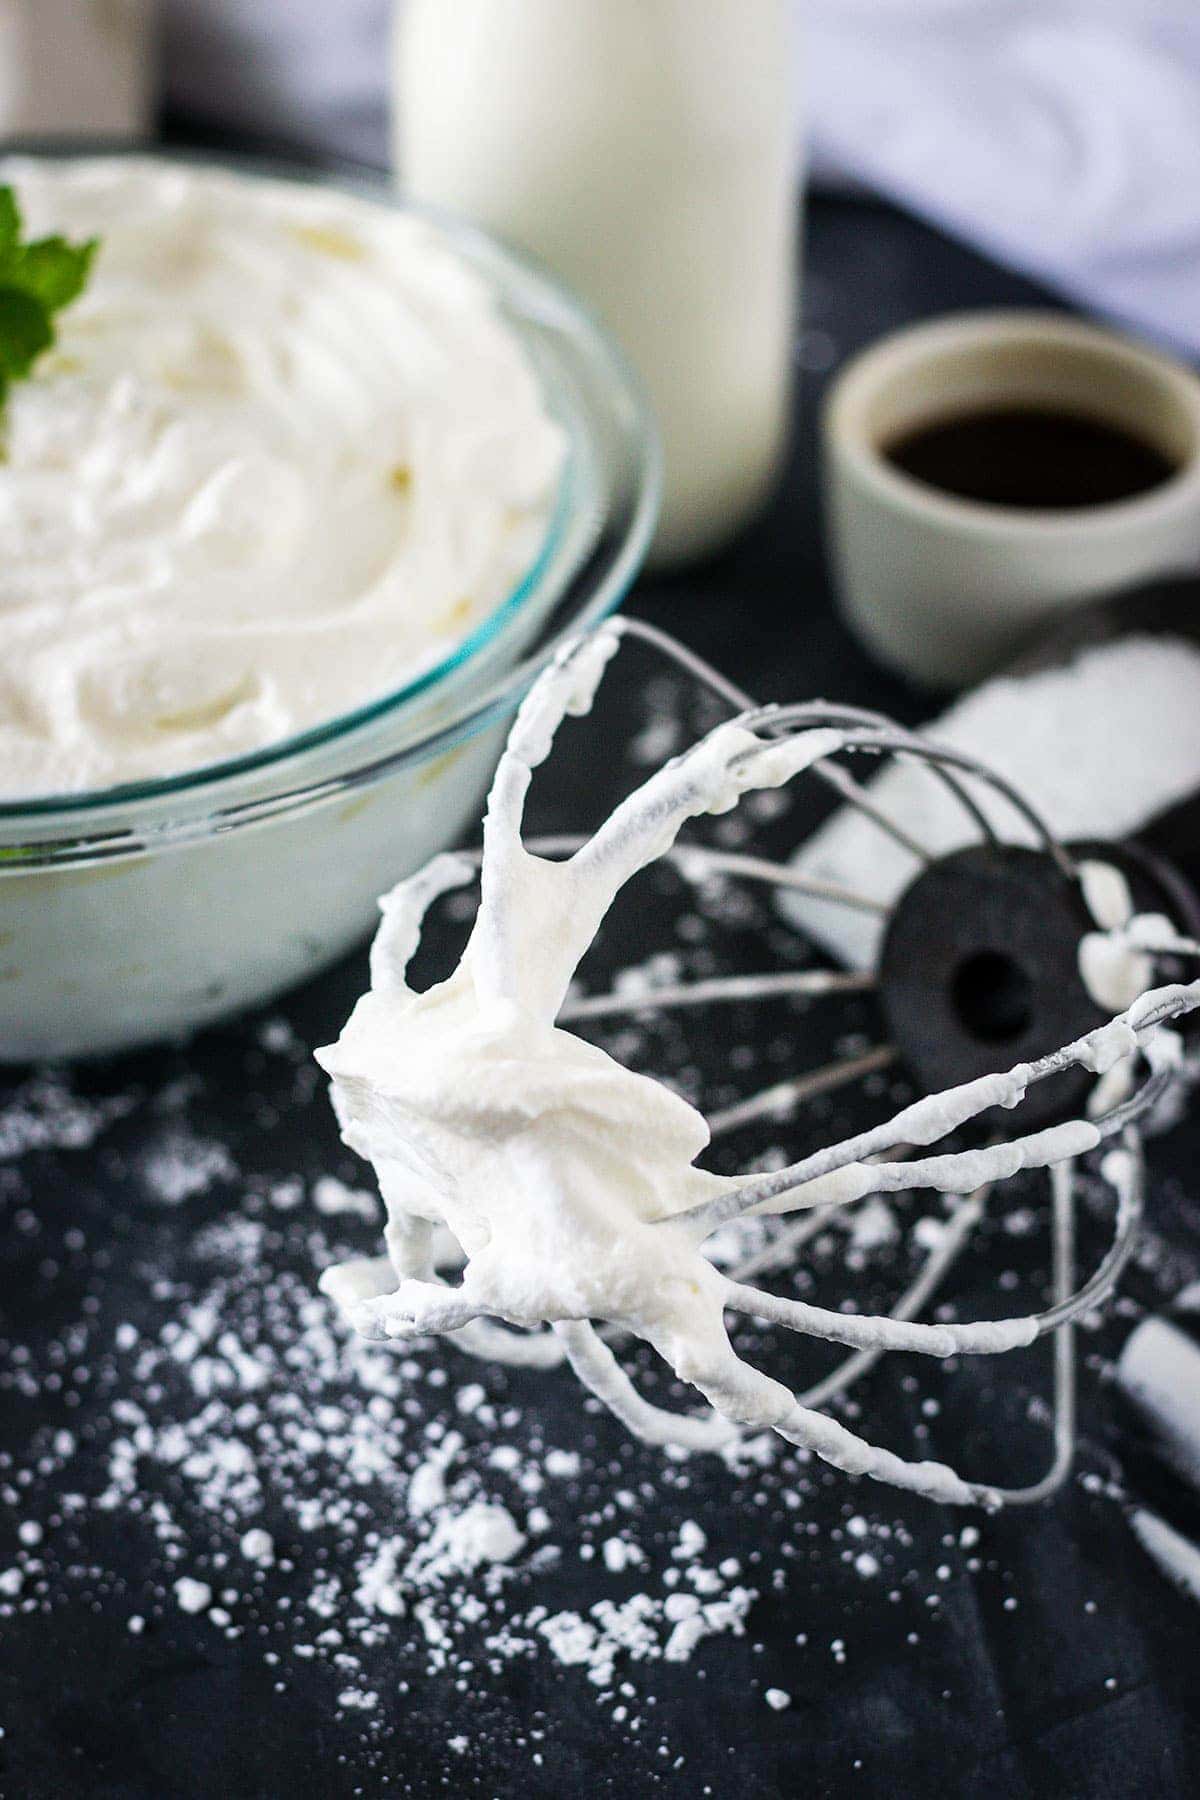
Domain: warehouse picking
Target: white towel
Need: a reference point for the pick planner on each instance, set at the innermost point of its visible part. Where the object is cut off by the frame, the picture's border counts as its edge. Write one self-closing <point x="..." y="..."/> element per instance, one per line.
<point x="1062" y="136"/>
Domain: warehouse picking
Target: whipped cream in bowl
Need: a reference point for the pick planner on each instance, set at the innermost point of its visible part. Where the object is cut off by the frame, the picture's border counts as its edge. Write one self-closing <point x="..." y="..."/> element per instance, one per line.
<point x="284" y="458"/>
<point x="295" y="506"/>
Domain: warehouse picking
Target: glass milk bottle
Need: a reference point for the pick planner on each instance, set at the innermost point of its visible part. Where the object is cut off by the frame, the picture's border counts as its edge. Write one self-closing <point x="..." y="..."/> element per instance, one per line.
<point x="644" y="149"/>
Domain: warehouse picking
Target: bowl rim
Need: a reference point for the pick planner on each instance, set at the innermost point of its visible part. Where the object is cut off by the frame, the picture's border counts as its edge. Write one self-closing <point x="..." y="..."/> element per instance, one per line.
<point x="541" y="287"/>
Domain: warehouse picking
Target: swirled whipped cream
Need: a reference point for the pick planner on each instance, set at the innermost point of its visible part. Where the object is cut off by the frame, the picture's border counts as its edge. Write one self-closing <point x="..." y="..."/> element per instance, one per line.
<point x="284" y="456"/>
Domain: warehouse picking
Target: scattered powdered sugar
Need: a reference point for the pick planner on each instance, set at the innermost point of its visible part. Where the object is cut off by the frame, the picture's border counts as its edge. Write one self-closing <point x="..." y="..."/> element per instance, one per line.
<point x="378" y="1518"/>
<point x="181" y="1165"/>
<point x="327" y="1505"/>
<point x="43" y="1113"/>
<point x="193" y="1435"/>
<point x="644" y="1628"/>
<point x="662" y="1626"/>
<point x="293" y="1488"/>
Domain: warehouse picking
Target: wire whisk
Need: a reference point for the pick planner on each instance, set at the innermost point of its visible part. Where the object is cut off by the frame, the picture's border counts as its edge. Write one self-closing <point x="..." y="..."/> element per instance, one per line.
<point x="570" y="1185"/>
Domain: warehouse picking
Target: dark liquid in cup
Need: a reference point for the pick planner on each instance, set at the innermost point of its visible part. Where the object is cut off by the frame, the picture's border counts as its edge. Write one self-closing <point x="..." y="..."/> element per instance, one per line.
<point x="1027" y="456"/>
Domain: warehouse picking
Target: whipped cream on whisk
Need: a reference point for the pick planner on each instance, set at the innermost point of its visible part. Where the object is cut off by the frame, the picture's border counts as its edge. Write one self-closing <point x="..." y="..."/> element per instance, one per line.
<point x="571" y="1183"/>
<point x="285" y="456"/>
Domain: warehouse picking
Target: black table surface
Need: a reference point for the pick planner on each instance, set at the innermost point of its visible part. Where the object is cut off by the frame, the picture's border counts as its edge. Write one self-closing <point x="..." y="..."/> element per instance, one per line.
<point x="1046" y="1657"/>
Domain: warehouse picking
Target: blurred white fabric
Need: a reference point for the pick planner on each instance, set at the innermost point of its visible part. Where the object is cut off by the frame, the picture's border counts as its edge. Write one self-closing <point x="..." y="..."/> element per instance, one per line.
<point x="309" y="72"/>
<point x="1063" y="136"/>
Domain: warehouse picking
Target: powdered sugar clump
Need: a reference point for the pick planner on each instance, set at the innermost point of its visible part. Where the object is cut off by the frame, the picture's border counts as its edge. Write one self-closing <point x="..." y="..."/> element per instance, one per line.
<point x="193" y="1596"/>
<point x="43" y="1113"/>
<point x="181" y="1165"/>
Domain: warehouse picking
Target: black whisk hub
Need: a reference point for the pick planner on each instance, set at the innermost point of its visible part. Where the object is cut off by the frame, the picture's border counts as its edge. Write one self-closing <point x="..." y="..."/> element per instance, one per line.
<point x="980" y="966"/>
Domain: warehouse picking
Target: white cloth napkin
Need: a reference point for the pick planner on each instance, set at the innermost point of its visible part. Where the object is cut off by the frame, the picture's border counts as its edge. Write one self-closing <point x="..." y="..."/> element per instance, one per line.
<point x="1062" y="136"/>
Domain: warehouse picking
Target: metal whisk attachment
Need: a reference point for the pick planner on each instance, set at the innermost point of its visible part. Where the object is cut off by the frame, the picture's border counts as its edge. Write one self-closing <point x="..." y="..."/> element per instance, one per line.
<point x="979" y="969"/>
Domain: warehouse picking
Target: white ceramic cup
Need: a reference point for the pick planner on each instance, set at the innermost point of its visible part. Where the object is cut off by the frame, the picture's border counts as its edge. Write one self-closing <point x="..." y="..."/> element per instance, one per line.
<point x="945" y="589"/>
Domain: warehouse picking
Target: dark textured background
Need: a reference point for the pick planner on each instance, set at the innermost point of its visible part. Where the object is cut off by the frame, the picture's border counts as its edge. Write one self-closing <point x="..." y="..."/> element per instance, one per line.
<point x="1087" y="1687"/>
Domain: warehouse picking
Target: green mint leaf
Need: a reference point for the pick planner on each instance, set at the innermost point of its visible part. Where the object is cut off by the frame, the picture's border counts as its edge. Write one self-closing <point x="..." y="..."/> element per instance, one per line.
<point x="36" y="281"/>
<point x="25" y="331"/>
<point x="52" y="270"/>
<point x="10" y="220"/>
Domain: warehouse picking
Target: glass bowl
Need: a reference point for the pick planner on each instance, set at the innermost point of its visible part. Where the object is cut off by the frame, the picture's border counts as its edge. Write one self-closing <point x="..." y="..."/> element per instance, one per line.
<point x="134" y="914"/>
